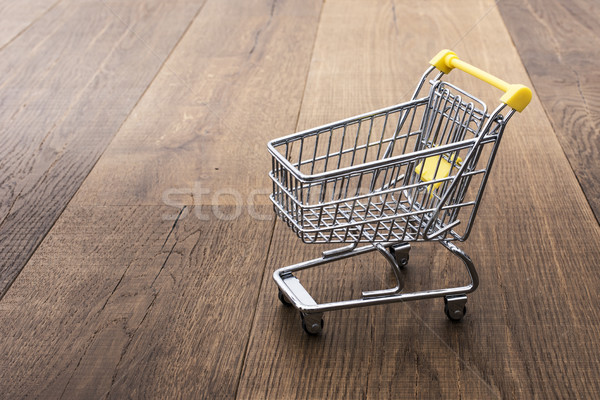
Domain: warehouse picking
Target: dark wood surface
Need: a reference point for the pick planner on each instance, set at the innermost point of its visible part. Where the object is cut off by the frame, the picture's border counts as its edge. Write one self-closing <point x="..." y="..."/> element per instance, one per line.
<point x="131" y="257"/>
<point x="559" y="43"/>
<point x="107" y="278"/>
<point x="68" y="82"/>
<point x="199" y="135"/>
<point x="155" y="280"/>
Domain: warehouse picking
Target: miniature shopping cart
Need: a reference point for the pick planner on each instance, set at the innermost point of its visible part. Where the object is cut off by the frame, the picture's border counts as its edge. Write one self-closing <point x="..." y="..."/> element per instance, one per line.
<point x="407" y="173"/>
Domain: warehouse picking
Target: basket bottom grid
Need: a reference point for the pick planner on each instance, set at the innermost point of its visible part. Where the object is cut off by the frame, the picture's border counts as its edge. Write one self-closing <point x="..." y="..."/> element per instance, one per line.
<point x="380" y="219"/>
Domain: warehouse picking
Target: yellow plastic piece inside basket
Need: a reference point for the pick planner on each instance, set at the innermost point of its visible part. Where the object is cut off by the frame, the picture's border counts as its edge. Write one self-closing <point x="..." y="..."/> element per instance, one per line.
<point x="428" y="170"/>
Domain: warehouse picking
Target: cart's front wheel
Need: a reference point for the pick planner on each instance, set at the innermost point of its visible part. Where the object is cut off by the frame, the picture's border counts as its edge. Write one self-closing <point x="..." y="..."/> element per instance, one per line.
<point x="312" y="323"/>
<point x="283" y="299"/>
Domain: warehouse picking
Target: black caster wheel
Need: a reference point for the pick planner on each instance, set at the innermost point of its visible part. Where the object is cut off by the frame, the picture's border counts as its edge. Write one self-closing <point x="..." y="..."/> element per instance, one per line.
<point x="455" y="315"/>
<point x="455" y="307"/>
<point x="311" y="324"/>
<point x="283" y="299"/>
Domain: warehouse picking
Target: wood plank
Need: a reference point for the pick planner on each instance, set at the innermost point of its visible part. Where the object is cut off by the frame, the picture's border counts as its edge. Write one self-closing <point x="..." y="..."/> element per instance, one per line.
<point x="558" y="42"/>
<point x="40" y="358"/>
<point x="172" y="315"/>
<point x="134" y="305"/>
<point x="18" y="16"/>
<point x="200" y="137"/>
<point x="532" y="329"/>
<point x="67" y="84"/>
<point x="205" y="303"/>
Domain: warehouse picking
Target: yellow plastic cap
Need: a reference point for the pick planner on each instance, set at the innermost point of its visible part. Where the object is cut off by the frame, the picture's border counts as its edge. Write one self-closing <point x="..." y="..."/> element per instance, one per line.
<point x="442" y="60"/>
<point x="517" y="96"/>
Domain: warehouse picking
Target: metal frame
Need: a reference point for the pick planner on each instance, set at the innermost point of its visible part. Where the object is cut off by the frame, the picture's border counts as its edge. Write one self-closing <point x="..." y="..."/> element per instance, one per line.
<point x="312" y="313"/>
<point x="326" y="193"/>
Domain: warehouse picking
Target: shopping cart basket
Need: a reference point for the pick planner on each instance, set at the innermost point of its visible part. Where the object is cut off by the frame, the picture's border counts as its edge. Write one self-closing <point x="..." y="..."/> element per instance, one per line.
<point x="407" y="173"/>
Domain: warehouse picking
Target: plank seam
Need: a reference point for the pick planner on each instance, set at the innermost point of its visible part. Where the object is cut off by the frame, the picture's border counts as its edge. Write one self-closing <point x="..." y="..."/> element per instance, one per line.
<point x="554" y="128"/>
<point x="114" y="379"/>
<point x="5" y="290"/>
<point x="312" y="52"/>
<point x="253" y="323"/>
<point x="132" y="335"/>
<point x="30" y="24"/>
<point x="76" y="98"/>
<point x="268" y="252"/>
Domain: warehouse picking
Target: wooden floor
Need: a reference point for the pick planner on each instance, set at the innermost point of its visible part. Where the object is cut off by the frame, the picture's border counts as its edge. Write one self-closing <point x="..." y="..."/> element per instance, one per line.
<point x="137" y="239"/>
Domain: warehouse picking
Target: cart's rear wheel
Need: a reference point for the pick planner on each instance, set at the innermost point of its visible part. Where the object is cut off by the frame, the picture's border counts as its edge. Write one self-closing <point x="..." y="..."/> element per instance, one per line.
<point x="455" y="307"/>
<point x="311" y="325"/>
<point x="283" y="299"/>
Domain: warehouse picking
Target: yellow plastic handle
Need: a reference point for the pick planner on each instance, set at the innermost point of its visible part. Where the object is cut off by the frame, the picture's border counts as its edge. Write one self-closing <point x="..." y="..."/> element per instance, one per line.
<point x="515" y="95"/>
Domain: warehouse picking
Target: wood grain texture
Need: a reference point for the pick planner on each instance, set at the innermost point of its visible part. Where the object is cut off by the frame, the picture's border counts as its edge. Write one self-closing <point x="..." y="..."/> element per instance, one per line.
<point x="129" y="304"/>
<point x="130" y="295"/>
<point x="171" y="316"/>
<point x="206" y="303"/>
<point x="558" y="42"/>
<point x="53" y="328"/>
<point x="66" y="85"/>
<point x="17" y="16"/>
<point x="532" y="327"/>
<point x="199" y="135"/>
